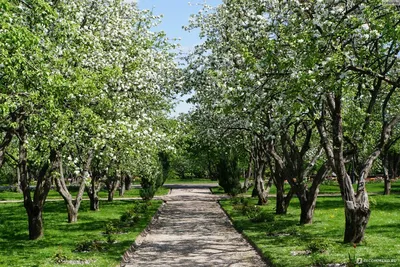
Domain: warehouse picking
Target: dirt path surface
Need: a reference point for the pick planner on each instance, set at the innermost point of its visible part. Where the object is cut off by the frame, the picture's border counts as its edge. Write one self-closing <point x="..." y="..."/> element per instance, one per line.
<point x="192" y="230"/>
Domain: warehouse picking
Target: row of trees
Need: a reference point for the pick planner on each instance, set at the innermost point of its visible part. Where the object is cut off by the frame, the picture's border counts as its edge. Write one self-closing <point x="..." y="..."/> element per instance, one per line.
<point x="86" y="88"/>
<point x="302" y="88"/>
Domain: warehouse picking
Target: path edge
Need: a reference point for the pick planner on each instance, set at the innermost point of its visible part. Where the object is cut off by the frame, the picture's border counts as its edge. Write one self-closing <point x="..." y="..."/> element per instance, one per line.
<point x="139" y="239"/>
<point x="266" y="260"/>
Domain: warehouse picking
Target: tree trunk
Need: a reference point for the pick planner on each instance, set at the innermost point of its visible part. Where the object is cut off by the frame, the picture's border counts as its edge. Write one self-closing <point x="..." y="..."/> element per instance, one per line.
<point x="254" y="192"/>
<point x="110" y="195"/>
<point x="18" y="184"/>
<point x="62" y="189"/>
<point x="34" y="207"/>
<point x="4" y="144"/>
<point x="122" y="185"/>
<point x="72" y="214"/>
<point x="72" y="205"/>
<point x="94" y="201"/>
<point x="357" y="217"/>
<point x="357" y="210"/>
<point x="260" y="184"/>
<point x="396" y="166"/>
<point x="128" y="182"/>
<point x="388" y="186"/>
<point x="35" y="221"/>
<point x="386" y="176"/>
<point x="112" y="185"/>
<point x="282" y="201"/>
<point x="308" y="201"/>
<point x="93" y="189"/>
<point x="308" y="197"/>
<point x="281" y="207"/>
<point x="246" y="185"/>
<point x="248" y="174"/>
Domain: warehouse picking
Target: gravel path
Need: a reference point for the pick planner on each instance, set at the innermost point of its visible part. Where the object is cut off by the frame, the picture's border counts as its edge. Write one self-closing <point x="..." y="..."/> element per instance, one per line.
<point x="192" y="230"/>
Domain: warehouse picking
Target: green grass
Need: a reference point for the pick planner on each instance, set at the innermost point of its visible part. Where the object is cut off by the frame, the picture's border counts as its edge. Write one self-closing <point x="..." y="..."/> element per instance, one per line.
<point x="372" y="187"/>
<point x="190" y="181"/>
<point x="62" y="238"/>
<point x="279" y="238"/>
<point x="53" y="194"/>
<point x="330" y="188"/>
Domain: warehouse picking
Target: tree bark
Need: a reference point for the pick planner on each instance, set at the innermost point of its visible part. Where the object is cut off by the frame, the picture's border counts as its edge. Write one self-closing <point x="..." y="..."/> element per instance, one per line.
<point x="248" y="174"/>
<point x="34" y="207"/>
<point x="386" y="176"/>
<point x="122" y="185"/>
<point x="94" y="200"/>
<point x="35" y="221"/>
<point x="128" y="182"/>
<point x="282" y="201"/>
<point x="92" y="191"/>
<point x="357" y="210"/>
<point x="72" y="205"/>
<point x="112" y="184"/>
<point x="308" y="197"/>
<point x="254" y="192"/>
<point x="4" y="144"/>
<point x="94" y="188"/>
<point x="72" y="213"/>
<point x="18" y="184"/>
<point x="262" y="194"/>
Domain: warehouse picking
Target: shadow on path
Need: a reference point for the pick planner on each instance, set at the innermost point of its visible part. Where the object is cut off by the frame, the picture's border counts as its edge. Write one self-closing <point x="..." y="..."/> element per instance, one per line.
<point x="192" y="230"/>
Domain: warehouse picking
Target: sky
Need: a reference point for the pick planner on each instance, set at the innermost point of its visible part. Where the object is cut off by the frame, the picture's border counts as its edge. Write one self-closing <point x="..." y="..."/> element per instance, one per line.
<point x="176" y="14"/>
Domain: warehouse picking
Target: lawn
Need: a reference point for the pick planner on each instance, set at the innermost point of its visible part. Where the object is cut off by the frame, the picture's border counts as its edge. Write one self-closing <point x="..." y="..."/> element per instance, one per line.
<point x="191" y="181"/>
<point x="284" y="242"/>
<point x="53" y="194"/>
<point x="61" y="239"/>
<point x="329" y="188"/>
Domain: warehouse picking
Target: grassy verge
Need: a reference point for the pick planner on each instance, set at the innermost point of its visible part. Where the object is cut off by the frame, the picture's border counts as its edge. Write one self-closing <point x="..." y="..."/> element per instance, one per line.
<point x="330" y="188"/>
<point x="61" y="239"/>
<point x="286" y="243"/>
<point x="53" y="194"/>
<point x="190" y="181"/>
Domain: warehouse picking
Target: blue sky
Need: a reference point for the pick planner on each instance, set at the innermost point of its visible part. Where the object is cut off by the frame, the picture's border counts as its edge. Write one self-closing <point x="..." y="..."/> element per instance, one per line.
<point x="176" y="14"/>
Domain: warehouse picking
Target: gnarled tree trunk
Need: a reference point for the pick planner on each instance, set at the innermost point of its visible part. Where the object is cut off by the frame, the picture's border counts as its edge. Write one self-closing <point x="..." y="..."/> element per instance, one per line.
<point x="92" y="191"/>
<point x="4" y="144"/>
<point x="73" y="205"/>
<point x="122" y="186"/>
<point x="34" y="207"/>
<point x="308" y="197"/>
<point x="262" y="193"/>
<point x="112" y="184"/>
<point x="247" y="176"/>
<point x="282" y="201"/>
<point x="94" y="200"/>
<point x="357" y="211"/>
<point x="128" y="182"/>
<point x="386" y="177"/>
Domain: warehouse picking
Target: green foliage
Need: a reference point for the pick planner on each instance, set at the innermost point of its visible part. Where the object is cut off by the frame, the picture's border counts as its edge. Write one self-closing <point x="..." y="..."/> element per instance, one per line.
<point x="164" y="159"/>
<point x="111" y="228"/>
<point x="240" y="200"/>
<point x="132" y="216"/>
<point x="229" y="175"/>
<point x="255" y="213"/>
<point x="318" y="246"/>
<point x="90" y="246"/>
<point x="263" y="216"/>
<point x="60" y="258"/>
<point x="147" y="193"/>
